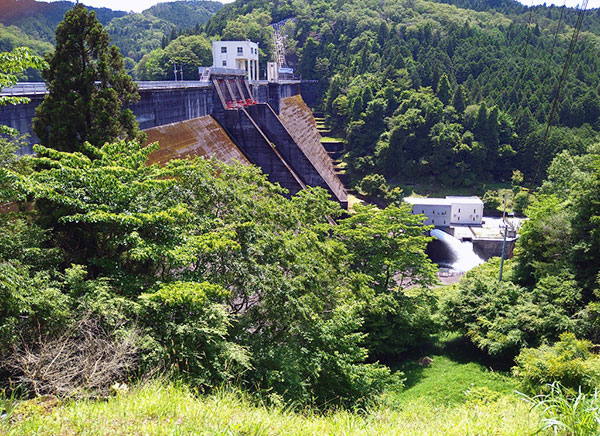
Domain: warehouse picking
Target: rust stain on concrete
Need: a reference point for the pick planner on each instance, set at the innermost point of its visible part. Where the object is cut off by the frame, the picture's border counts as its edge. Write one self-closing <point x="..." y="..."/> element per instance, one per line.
<point x="300" y="123"/>
<point x="198" y="137"/>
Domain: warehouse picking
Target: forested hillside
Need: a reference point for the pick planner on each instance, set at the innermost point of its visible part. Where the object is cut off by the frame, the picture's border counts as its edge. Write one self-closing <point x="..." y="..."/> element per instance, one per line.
<point x="39" y="19"/>
<point x="433" y="92"/>
<point x="32" y="24"/>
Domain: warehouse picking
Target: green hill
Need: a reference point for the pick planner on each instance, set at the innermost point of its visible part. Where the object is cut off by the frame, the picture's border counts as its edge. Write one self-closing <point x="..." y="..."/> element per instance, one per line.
<point x="39" y="19"/>
<point x="134" y="34"/>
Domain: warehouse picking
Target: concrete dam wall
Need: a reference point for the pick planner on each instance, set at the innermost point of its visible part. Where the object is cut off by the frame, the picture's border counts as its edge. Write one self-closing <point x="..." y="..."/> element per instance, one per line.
<point x="198" y="137"/>
<point x="265" y="124"/>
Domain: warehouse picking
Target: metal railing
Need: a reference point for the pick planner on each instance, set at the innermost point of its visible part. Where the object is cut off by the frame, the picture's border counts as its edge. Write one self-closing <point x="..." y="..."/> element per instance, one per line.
<point x="25" y="88"/>
<point x="39" y="88"/>
<point x="172" y="84"/>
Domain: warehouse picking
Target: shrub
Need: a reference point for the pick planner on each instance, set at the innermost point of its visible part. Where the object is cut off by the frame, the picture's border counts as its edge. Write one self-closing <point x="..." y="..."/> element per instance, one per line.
<point x="569" y="362"/>
<point x="187" y="331"/>
<point x="32" y="305"/>
<point x="521" y="201"/>
<point x="502" y="318"/>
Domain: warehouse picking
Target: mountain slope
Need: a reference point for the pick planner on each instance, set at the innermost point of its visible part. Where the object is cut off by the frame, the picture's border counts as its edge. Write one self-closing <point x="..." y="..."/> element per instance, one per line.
<point x="432" y="92"/>
<point x="185" y="14"/>
<point x="39" y="19"/>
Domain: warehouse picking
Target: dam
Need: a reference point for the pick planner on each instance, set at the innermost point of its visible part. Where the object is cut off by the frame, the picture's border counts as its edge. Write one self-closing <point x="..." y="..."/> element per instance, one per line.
<point x="225" y="116"/>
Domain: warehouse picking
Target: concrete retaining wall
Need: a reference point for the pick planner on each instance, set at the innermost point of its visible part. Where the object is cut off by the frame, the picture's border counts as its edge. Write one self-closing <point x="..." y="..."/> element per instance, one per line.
<point x="20" y="117"/>
<point x="161" y="107"/>
<point x="487" y="248"/>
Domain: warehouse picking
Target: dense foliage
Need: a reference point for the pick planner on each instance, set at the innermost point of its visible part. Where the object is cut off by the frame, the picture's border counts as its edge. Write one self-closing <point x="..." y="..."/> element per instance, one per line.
<point x="39" y="19"/>
<point x="553" y="283"/>
<point x="223" y="276"/>
<point x="570" y="362"/>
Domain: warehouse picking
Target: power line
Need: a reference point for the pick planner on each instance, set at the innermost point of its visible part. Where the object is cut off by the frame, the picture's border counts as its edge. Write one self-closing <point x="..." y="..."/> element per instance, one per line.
<point x="562" y="12"/>
<point x="565" y="71"/>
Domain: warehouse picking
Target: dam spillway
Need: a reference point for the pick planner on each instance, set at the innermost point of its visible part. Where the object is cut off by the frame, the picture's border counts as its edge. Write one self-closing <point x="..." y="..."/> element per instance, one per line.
<point x="460" y="255"/>
<point x="197" y="137"/>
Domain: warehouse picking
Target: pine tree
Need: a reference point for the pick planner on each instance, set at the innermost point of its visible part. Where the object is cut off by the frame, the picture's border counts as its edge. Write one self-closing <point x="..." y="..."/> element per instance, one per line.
<point x="481" y="121"/>
<point x="88" y="88"/>
<point x="443" y="89"/>
<point x="458" y="101"/>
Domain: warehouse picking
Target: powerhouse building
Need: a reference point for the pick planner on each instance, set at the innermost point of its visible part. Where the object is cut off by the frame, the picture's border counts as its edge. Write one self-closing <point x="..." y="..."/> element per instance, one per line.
<point x="452" y="210"/>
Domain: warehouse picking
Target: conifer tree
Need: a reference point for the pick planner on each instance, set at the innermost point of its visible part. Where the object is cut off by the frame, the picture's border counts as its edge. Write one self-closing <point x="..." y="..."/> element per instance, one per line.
<point x="458" y="101"/>
<point x="88" y="88"/>
<point x="443" y="89"/>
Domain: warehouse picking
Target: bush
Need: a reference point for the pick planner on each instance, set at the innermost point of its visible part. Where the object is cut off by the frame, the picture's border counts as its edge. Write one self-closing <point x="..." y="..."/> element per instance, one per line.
<point x="502" y="318"/>
<point x="186" y="331"/>
<point x="83" y="361"/>
<point x="569" y="362"/>
<point x="32" y="305"/>
<point x="521" y="201"/>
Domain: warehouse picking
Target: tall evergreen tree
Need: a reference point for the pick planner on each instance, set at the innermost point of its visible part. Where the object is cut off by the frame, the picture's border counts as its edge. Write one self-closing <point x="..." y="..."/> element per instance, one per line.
<point x="458" y="101"/>
<point x="88" y="88"/>
<point x="443" y="89"/>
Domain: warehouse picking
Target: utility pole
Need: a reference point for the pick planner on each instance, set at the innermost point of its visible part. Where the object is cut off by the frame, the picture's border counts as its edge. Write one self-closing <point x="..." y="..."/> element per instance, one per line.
<point x="504" y="241"/>
<point x="175" y="70"/>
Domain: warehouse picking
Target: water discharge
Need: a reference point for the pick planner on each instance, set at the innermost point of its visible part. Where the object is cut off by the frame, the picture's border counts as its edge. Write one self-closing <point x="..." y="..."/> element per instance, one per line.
<point x="463" y="256"/>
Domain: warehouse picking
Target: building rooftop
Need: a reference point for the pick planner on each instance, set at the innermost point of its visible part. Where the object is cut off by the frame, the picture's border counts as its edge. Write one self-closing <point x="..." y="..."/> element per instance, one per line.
<point x="427" y="200"/>
<point x="448" y="201"/>
<point x="464" y="200"/>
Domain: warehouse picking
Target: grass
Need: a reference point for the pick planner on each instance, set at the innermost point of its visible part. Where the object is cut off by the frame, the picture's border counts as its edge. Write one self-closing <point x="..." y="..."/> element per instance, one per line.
<point x="454" y="396"/>
<point x="158" y="408"/>
<point x="574" y="414"/>
<point x="451" y="397"/>
<point x="448" y="382"/>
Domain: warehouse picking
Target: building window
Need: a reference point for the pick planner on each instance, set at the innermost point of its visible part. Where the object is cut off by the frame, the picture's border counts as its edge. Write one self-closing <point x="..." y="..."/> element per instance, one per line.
<point x="224" y="63"/>
<point x="432" y="221"/>
<point x="223" y="49"/>
<point x="458" y="210"/>
<point x="458" y="218"/>
<point x="474" y="210"/>
<point x="473" y="218"/>
<point x="240" y="50"/>
<point x="422" y="211"/>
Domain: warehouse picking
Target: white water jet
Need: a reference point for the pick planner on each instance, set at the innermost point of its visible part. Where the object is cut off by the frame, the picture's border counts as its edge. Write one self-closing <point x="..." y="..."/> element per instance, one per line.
<point x="464" y="258"/>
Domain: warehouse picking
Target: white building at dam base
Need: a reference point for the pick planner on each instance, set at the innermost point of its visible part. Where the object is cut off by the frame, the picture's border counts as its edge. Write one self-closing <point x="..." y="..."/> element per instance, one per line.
<point x="449" y="211"/>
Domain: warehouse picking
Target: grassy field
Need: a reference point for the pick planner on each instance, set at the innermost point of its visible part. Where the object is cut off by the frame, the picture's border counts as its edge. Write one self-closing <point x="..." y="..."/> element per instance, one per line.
<point x="446" y="398"/>
<point x="163" y="409"/>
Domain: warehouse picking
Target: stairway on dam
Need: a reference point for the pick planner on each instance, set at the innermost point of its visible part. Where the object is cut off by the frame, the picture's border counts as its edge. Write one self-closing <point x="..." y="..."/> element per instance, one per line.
<point x="333" y="146"/>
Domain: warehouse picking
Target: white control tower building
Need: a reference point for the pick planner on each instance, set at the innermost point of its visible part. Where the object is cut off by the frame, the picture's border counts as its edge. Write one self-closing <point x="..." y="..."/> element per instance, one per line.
<point x="240" y="55"/>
